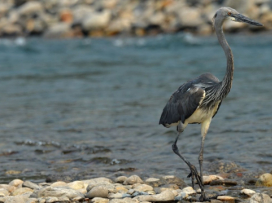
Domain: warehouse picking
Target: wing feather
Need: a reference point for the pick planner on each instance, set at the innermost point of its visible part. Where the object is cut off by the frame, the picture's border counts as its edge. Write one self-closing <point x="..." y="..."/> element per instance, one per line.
<point x="182" y="104"/>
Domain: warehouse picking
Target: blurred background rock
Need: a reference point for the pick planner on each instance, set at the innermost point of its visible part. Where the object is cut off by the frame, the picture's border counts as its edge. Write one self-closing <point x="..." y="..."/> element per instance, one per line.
<point x="81" y="18"/>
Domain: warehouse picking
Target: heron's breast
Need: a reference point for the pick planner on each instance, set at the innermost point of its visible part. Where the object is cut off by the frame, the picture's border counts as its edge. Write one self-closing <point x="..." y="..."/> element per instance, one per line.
<point x="202" y="114"/>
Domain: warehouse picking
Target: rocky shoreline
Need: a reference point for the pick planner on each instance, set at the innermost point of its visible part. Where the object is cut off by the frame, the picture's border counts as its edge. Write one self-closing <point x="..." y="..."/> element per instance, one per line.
<point x="133" y="189"/>
<point x="96" y="18"/>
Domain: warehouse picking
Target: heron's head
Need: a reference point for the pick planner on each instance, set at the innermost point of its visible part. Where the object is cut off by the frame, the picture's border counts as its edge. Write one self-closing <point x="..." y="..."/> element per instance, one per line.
<point x="229" y="13"/>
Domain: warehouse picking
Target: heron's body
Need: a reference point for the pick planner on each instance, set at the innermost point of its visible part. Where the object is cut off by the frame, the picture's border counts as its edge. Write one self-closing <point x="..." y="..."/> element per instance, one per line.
<point x="198" y="100"/>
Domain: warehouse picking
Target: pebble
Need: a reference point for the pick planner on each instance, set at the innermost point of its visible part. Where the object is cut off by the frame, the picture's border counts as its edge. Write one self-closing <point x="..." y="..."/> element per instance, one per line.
<point x="265" y="180"/>
<point x="132" y="180"/>
<point x="208" y="179"/>
<point x="120" y="179"/>
<point x="247" y="192"/>
<point x="98" y="191"/>
<point x="66" y="19"/>
<point x="99" y="200"/>
<point x="166" y="195"/>
<point x="226" y="199"/>
<point x="260" y="198"/>
<point x="133" y="189"/>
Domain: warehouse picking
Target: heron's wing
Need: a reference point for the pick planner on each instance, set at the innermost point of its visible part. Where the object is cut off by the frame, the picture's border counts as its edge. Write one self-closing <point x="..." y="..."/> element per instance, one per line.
<point x="182" y="104"/>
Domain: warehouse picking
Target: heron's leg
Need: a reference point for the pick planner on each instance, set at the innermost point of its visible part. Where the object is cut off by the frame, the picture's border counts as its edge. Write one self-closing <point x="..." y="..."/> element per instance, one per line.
<point x="194" y="173"/>
<point x="204" y="129"/>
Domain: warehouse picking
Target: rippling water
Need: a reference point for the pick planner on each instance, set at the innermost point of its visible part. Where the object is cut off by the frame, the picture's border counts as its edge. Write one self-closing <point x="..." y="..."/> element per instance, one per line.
<point x="91" y="107"/>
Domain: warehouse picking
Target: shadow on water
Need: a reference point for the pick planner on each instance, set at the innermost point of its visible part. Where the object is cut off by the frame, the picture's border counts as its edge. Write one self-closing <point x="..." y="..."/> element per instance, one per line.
<point x="90" y="107"/>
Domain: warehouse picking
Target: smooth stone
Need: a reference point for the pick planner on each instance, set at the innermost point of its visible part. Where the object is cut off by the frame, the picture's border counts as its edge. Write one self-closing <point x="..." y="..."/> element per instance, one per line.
<point x="3" y="192"/>
<point x="188" y="190"/>
<point x="117" y="195"/>
<point x="132" y="180"/>
<point x="99" y="200"/>
<point x="16" y="199"/>
<point x="96" y="20"/>
<point x="223" y="182"/>
<point x="30" y="185"/>
<point x="58" y="184"/>
<point x="96" y="181"/>
<point x="154" y="182"/>
<point x="51" y="199"/>
<point x="58" y="30"/>
<point x="142" y="187"/>
<point x="125" y="200"/>
<point x="7" y="187"/>
<point x="265" y="180"/>
<point x="76" y="185"/>
<point x="227" y="199"/>
<point x="32" y="200"/>
<point x="120" y="188"/>
<point x="57" y="192"/>
<point x="260" y="198"/>
<point x="170" y="179"/>
<point x="247" y="192"/>
<point x="208" y="179"/>
<point x="109" y="187"/>
<point x="98" y="191"/>
<point x="120" y="179"/>
<point x="16" y="183"/>
<point x="166" y="195"/>
<point x="21" y="191"/>
<point x="30" y="7"/>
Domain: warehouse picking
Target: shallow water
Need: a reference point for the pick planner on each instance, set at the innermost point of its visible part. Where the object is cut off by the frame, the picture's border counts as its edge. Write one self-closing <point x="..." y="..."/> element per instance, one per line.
<point x="90" y="107"/>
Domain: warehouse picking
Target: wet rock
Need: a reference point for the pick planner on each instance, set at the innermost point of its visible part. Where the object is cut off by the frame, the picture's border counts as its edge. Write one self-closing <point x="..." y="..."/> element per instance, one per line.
<point x="57" y="192"/>
<point x="173" y="180"/>
<point x="224" y="167"/>
<point x="226" y="199"/>
<point x="120" y="179"/>
<point x="51" y="199"/>
<point x="132" y="180"/>
<point x="16" y="199"/>
<point x="3" y="192"/>
<point x="247" y="192"/>
<point x="125" y="200"/>
<point x="224" y="182"/>
<point x="98" y="191"/>
<point x="166" y="195"/>
<point x="9" y="188"/>
<point x="96" y="181"/>
<point x="188" y="191"/>
<point x="155" y="182"/>
<point x="265" y="180"/>
<point x="142" y="187"/>
<point x="99" y="200"/>
<point x="120" y="188"/>
<point x="208" y="179"/>
<point x="59" y="184"/>
<point x="21" y="191"/>
<point x="117" y="195"/>
<point x="78" y="185"/>
<point x="260" y="198"/>
<point x="30" y="185"/>
<point x="16" y="183"/>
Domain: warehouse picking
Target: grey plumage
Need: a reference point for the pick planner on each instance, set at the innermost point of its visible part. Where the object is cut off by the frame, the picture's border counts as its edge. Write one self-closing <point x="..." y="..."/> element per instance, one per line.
<point x="198" y="100"/>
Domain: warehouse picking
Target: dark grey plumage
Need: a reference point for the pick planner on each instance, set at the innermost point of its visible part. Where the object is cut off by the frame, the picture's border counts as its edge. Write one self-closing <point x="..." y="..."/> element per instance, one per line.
<point x="198" y="100"/>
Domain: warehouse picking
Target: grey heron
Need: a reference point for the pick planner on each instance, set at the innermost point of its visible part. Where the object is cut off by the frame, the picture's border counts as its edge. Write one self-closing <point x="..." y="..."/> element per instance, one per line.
<point x="198" y="100"/>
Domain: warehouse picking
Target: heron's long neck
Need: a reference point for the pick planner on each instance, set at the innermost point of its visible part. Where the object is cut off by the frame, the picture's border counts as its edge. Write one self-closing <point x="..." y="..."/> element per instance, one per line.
<point x="227" y="80"/>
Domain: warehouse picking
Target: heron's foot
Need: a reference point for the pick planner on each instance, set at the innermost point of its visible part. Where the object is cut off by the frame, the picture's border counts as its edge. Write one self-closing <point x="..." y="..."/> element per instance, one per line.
<point x="194" y="175"/>
<point x="203" y="198"/>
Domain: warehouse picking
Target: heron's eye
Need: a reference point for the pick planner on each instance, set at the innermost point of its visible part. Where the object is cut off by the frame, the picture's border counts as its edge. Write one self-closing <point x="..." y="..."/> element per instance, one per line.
<point x="229" y="13"/>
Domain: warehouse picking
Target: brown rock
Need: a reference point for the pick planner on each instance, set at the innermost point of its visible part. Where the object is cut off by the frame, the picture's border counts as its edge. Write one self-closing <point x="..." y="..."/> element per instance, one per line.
<point x="226" y="199"/>
<point x="98" y="191"/>
<point x="132" y="180"/>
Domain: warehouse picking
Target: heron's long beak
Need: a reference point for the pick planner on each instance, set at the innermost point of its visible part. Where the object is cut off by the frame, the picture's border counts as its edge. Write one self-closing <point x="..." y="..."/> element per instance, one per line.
<point x="242" y="18"/>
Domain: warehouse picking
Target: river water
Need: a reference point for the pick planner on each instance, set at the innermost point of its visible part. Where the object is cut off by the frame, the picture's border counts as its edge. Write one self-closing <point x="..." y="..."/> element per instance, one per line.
<point x="90" y="107"/>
